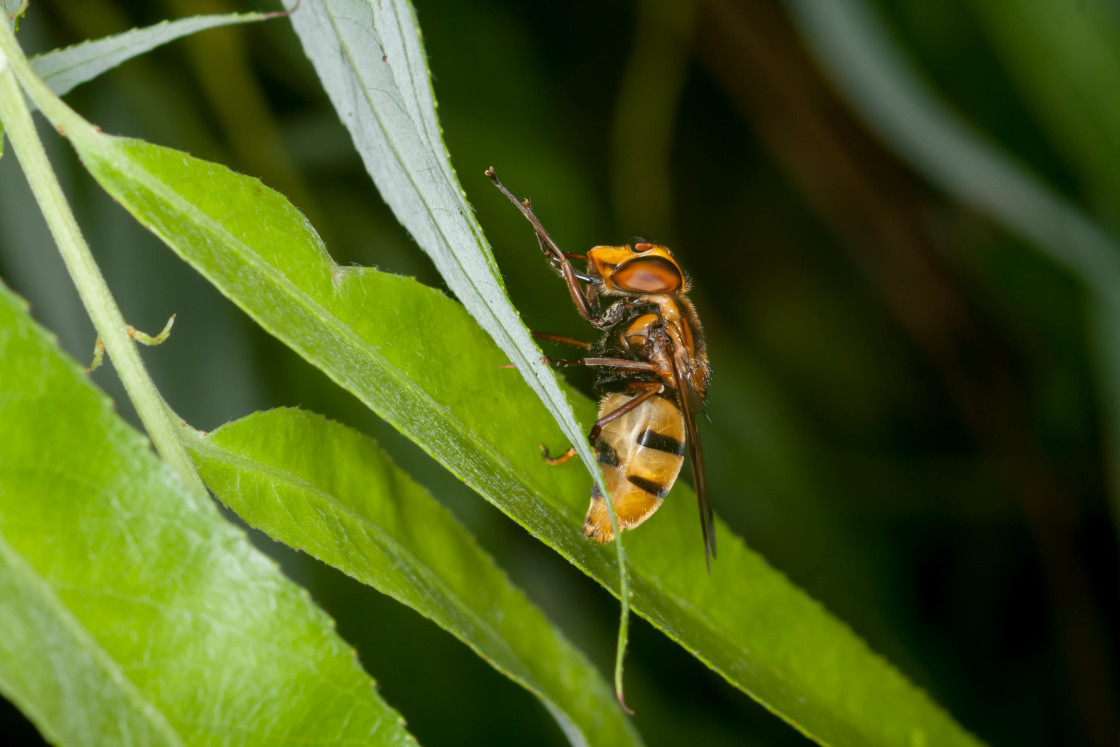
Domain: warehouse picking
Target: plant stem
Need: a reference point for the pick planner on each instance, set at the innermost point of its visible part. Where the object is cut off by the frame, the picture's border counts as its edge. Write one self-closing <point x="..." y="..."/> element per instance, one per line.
<point x="83" y="269"/>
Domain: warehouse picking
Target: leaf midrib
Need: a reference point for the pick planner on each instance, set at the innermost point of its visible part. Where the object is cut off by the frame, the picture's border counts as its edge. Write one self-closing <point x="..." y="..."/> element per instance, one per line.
<point x="388" y="543"/>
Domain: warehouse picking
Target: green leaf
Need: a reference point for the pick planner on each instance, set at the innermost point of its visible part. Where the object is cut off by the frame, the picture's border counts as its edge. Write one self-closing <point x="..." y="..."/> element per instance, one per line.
<point x="371" y="62"/>
<point x="419" y="360"/>
<point x="65" y="69"/>
<point x="327" y="490"/>
<point x="131" y="612"/>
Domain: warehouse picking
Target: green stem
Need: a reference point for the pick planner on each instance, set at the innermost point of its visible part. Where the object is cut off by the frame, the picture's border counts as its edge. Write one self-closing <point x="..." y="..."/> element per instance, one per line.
<point x="92" y="288"/>
<point x="623" y="634"/>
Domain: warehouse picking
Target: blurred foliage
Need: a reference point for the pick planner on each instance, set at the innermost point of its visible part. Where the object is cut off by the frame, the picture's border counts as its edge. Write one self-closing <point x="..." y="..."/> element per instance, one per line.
<point x="904" y="414"/>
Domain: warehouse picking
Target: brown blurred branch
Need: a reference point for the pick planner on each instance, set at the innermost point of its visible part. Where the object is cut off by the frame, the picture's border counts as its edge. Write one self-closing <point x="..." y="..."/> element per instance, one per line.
<point x="879" y="209"/>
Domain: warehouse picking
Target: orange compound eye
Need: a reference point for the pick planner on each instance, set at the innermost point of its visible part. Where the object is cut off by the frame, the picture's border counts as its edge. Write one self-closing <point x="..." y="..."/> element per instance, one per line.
<point x="648" y="275"/>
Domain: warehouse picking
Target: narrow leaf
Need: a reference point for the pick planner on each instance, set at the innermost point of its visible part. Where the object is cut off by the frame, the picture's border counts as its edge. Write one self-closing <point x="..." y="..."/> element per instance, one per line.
<point x="327" y="490"/>
<point x="131" y="612"/>
<point x="369" y="57"/>
<point x="419" y="360"/>
<point x="65" y="69"/>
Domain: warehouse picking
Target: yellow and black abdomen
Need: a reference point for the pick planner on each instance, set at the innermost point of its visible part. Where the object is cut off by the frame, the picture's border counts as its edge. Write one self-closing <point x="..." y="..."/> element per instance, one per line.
<point x="641" y="455"/>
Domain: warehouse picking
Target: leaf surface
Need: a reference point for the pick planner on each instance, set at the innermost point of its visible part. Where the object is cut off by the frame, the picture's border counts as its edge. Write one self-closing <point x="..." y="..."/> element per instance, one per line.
<point x="327" y="490"/>
<point x="65" y="69"/>
<point x="131" y="612"/>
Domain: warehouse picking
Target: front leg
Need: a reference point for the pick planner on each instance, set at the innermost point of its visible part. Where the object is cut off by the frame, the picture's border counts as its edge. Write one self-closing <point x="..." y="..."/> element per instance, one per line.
<point x="560" y="261"/>
<point x="562" y="339"/>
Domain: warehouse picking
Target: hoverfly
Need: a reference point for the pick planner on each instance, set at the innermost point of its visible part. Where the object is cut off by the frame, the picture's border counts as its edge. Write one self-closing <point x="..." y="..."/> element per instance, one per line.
<point x="652" y="376"/>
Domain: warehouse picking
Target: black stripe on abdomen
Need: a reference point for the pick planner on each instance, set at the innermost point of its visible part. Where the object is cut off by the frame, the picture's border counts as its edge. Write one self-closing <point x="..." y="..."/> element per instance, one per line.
<point x="649" y="486"/>
<point x="653" y="440"/>
<point x="607" y="456"/>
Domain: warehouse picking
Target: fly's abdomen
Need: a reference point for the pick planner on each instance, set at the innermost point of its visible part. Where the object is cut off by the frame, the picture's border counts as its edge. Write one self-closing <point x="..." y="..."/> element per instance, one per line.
<point x="641" y="455"/>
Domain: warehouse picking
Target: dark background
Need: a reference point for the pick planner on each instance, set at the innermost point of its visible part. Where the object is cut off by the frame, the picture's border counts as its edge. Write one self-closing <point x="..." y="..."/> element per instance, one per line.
<point x="905" y="417"/>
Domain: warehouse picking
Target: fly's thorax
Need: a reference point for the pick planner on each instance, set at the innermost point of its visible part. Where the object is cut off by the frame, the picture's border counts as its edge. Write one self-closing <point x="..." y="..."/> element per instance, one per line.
<point x="639" y="330"/>
<point x="645" y="268"/>
<point x="635" y="332"/>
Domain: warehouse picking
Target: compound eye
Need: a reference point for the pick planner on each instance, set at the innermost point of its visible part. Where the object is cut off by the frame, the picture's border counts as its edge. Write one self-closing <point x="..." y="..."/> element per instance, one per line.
<point x="648" y="275"/>
<point x="645" y="246"/>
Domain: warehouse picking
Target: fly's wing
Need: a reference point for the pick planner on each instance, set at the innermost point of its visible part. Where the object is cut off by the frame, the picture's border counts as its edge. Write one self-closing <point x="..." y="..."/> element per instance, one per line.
<point x="691" y="404"/>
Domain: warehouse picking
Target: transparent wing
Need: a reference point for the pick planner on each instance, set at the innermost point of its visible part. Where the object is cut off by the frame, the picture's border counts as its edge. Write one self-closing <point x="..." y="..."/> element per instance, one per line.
<point x="691" y="404"/>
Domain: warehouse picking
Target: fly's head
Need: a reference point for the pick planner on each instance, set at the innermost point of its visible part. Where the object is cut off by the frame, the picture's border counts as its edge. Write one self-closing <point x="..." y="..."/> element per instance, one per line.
<point x="641" y="270"/>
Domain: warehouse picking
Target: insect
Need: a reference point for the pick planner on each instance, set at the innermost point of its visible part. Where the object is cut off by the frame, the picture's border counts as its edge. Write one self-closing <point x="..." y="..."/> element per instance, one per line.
<point x="651" y="376"/>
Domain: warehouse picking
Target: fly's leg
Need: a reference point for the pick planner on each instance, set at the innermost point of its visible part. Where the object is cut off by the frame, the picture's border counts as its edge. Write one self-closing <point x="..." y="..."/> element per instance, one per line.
<point x="554" y="461"/>
<point x="560" y="260"/>
<point x="647" y="389"/>
<point x="571" y="452"/>
<point x="608" y="362"/>
<point x="562" y="339"/>
<point x="556" y="338"/>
